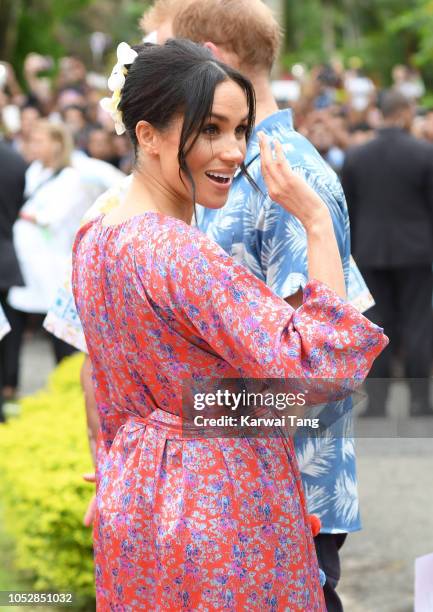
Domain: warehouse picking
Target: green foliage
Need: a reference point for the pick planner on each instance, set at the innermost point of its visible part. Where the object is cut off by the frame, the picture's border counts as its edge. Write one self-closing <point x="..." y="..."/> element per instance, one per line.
<point x="417" y="23"/>
<point x="43" y="496"/>
<point x="62" y="28"/>
<point x="381" y="33"/>
<point x="38" y="26"/>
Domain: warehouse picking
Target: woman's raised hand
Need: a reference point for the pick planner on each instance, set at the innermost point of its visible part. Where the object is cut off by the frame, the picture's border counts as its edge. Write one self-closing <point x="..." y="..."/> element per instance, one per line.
<point x="287" y="188"/>
<point x="294" y="195"/>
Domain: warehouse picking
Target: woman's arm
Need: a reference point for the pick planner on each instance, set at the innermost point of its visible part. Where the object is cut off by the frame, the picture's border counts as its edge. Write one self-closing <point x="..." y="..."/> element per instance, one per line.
<point x="90" y="405"/>
<point x="245" y="323"/>
<point x="242" y="320"/>
<point x="294" y="195"/>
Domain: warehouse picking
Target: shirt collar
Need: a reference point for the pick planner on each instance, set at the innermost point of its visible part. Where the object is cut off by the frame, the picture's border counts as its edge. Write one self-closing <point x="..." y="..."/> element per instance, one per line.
<point x="392" y="129"/>
<point x="283" y="118"/>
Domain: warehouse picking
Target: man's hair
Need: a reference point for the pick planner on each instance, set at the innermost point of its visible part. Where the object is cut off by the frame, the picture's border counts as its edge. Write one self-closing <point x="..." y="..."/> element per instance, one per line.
<point x="245" y="27"/>
<point x="159" y="13"/>
<point x="393" y="102"/>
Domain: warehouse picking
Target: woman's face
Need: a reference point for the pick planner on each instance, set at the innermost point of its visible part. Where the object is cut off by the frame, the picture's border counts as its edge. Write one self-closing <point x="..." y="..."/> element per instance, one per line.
<point x="217" y="153"/>
<point x="43" y="147"/>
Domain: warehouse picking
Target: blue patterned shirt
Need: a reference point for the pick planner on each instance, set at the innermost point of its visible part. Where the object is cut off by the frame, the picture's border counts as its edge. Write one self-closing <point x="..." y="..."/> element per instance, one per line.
<point x="271" y="243"/>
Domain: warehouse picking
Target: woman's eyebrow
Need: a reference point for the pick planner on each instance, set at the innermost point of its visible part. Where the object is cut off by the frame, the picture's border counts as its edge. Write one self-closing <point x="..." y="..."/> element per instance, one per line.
<point x="224" y="118"/>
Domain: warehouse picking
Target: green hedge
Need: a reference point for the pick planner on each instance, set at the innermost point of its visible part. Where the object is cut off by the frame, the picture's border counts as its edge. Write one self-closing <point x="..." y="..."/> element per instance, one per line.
<point x="44" y="453"/>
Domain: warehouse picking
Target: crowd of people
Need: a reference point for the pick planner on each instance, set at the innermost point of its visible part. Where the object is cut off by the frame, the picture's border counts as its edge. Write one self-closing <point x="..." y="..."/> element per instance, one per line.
<point x="335" y="106"/>
<point x="58" y="155"/>
<point x="62" y="152"/>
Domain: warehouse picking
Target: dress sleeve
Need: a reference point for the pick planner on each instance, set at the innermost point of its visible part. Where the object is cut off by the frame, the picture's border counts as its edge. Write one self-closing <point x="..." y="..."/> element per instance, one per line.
<point x="251" y="328"/>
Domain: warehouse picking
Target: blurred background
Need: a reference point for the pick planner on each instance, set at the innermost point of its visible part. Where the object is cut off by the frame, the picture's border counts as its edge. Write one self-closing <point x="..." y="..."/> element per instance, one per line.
<point x="338" y="58"/>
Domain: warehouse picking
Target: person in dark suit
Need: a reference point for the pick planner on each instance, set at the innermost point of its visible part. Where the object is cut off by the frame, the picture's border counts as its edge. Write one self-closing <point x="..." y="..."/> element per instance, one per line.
<point x="12" y="179"/>
<point x="388" y="184"/>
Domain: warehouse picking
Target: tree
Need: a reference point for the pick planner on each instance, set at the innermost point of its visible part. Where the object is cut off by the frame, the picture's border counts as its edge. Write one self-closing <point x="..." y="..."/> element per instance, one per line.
<point x="63" y="27"/>
<point x="381" y="33"/>
<point x="9" y="11"/>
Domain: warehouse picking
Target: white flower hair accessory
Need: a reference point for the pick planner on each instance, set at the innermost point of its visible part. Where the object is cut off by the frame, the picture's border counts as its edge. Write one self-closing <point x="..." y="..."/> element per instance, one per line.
<point x="116" y="81"/>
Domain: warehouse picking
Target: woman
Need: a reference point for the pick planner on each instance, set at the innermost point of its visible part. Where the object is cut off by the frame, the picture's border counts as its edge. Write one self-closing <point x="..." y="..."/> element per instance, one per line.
<point x="44" y="232"/>
<point x="199" y="523"/>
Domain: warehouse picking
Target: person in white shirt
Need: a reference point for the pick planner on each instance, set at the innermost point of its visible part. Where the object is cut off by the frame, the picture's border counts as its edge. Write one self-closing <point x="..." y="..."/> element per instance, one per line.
<point x="56" y="200"/>
<point x="96" y="175"/>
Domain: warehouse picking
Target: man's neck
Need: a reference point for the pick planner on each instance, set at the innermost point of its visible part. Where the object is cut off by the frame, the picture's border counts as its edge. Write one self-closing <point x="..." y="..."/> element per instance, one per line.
<point x="265" y="101"/>
<point x="396" y="124"/>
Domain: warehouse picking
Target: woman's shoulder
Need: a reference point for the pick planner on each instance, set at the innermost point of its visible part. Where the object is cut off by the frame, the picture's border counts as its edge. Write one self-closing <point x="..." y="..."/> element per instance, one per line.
<point x="173" y="239"/>
<point x="153" y="239"/>
<point x="68" y="174"/>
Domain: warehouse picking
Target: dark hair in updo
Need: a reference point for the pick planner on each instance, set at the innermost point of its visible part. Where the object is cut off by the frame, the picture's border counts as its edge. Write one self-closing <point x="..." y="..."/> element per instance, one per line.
<point x="179" y="77"/>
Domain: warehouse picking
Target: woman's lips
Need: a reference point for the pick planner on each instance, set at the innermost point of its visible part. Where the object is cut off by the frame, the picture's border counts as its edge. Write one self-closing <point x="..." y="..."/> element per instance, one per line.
<point x="221" y="180"/>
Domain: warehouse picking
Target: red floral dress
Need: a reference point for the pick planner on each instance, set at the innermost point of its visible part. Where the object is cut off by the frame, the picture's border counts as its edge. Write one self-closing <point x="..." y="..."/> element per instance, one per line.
<point x="203" y="523"/>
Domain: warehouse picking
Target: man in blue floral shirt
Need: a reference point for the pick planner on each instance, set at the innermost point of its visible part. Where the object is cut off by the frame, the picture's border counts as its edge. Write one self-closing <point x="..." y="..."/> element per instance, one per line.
<point x="258" y="233"/>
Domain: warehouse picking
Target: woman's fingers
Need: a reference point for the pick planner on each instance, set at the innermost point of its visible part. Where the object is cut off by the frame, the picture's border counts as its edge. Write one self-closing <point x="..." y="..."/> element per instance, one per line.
<point x="265" y="154"/>
<point x="270" y="171"/>
<point x="283" y="185"/>
<point x="273" y="169"/>
<point x="279" y="155"/>
<point x="273" y="159"/>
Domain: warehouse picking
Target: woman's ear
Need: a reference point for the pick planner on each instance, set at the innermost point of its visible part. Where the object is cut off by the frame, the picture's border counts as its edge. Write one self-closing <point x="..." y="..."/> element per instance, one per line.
<point x="147" y="138"/>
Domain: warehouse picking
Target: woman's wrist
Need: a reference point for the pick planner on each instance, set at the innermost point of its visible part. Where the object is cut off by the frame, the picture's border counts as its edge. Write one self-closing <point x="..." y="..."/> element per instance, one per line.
<point x="318" y="222"/>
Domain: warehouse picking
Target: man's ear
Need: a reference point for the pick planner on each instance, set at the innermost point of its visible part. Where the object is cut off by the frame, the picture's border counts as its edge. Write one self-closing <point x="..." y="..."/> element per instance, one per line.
<point x="223" y="55"/>
<point x="147" y="138"/>
<point x="215" y="50"/>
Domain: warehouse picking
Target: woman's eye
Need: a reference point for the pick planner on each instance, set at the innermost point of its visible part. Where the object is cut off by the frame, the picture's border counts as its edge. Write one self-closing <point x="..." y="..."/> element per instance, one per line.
<point x="211" y="129"/>
<point x="241" y="130"/>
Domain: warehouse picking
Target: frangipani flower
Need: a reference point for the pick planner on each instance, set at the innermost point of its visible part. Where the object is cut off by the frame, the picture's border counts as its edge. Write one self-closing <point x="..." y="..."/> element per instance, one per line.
<point x="125" y="55"/>
<point x="116" y="80"/>
<point x="110" y="105"/>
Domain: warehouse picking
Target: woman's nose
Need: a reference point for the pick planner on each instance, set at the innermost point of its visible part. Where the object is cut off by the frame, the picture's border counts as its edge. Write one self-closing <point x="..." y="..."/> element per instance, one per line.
<point x="234" y="153"/>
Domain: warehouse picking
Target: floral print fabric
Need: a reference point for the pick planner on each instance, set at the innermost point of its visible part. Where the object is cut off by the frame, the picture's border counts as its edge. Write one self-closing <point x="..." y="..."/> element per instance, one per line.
<point x="198" y="524"/>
